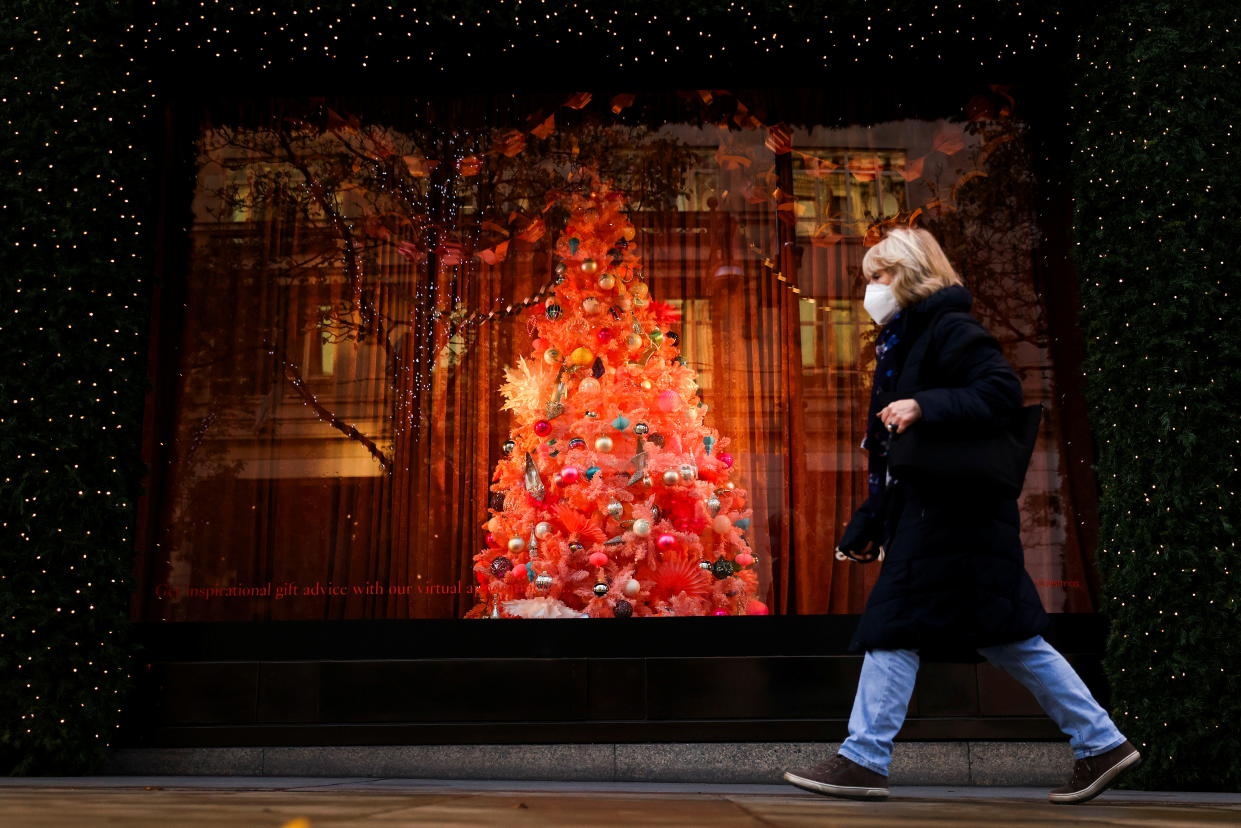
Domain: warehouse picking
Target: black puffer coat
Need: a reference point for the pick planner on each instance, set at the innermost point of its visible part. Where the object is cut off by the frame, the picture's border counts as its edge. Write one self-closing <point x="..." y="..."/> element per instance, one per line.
<point x="954" y="576"/>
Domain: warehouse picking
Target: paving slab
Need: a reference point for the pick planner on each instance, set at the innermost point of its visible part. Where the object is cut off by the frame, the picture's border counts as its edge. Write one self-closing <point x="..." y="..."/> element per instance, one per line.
<point x="309" y="802"/>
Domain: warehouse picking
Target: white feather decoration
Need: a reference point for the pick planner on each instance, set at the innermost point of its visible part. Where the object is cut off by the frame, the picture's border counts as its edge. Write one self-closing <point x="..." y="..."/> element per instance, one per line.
<point x="539" y="608"/>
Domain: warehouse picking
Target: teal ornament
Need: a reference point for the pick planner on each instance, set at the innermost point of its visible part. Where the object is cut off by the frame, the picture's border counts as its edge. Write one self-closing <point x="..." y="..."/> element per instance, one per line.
<point x="743" y="523"/>
<point x="593" y="470"/>
<point x="708" y="441"/>
<point x="622" y="422"/>
<point x="574" y="243"/>
<point x="530" y="570"/>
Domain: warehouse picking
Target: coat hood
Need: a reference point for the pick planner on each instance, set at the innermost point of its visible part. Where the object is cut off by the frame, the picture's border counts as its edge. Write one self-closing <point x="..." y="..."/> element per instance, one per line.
<point x="953" y="297"/>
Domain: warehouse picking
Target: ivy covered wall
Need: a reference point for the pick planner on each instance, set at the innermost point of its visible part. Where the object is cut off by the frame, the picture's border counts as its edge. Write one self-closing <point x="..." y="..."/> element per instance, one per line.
<point x="1156" y="114"/>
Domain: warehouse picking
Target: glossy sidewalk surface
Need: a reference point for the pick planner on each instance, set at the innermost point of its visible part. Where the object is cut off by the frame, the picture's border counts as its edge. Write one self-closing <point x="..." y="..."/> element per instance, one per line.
<point x="308" y="802"/>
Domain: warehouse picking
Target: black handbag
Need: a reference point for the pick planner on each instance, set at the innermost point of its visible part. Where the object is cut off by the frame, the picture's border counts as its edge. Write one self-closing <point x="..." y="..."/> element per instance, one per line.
<point x="984" y="460"/>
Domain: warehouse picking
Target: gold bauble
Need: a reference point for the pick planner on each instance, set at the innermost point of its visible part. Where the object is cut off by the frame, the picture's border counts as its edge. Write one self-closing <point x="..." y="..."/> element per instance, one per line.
<point x="607" y="281"/>
<point x="581" y="356"/>
<point x="603" y="444"/>
<point x="590" y="266"/>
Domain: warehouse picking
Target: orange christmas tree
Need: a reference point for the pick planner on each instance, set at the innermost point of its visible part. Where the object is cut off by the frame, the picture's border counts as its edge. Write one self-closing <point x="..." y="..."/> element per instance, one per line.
<point x="617" y="497"/>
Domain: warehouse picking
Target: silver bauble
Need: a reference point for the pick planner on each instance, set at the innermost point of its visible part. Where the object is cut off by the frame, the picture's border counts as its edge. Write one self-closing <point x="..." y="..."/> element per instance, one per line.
<point x="671" y="478"/>
<point x="543" y="582"/>
<point x="542" y="529"/>
<point x="687" y="471"/>
<point x="615" y="509"/>
<point x="642" y="527"/>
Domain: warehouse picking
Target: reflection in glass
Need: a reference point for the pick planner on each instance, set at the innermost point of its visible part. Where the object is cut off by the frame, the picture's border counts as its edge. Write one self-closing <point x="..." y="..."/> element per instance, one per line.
<point x="355" y="291"/>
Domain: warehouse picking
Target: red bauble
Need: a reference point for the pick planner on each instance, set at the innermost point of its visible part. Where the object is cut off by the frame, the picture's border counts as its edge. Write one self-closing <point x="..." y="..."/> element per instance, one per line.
<point x="491" y="540"/>
<point x="726" y="459"/>
<point x="756" y="608"/>
<point x="542" y="428"/>
<point x="666" y="542"/>
<point x="568" y="474"/>
<point x="604" y="335"/>
<point x="598" y="558"/>
<point x="745" y="559"/>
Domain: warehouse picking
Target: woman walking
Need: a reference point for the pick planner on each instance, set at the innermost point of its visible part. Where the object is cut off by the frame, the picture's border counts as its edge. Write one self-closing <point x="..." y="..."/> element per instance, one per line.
<point x="953" y="578"/>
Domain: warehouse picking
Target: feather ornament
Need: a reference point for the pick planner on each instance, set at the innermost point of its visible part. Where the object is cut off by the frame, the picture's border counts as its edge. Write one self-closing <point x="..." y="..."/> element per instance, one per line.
<point x="527" y="385"/>
<point x="575" y="523"/>
<point x="542" y="607"/>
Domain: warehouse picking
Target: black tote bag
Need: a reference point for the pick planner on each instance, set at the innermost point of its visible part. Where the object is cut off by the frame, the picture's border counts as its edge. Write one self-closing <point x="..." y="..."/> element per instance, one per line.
<point x="986" y="459"/>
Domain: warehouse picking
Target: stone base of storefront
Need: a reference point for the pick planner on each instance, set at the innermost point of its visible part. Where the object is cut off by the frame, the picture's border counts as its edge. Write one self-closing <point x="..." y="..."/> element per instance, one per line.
<point x="914" y="763"/>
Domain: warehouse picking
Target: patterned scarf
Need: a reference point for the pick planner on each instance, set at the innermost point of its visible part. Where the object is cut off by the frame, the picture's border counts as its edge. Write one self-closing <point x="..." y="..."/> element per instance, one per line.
<point x="890" y="350"/>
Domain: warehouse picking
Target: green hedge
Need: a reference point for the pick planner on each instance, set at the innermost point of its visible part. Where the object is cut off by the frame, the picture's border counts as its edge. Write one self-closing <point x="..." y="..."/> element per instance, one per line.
<point x="1156" y="252"/>
<point x="75" y="279"/>
<point x="1157" y="211"/>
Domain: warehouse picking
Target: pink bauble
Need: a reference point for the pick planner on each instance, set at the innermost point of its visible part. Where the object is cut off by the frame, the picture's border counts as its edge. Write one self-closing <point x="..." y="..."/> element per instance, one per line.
<point x="721" y="524"/>
<point x="568" y="474"/>
<point x="666" y="542"/>
<point x="721" y="612"/>
<point x="756" y="608"/>
<point x="745" y="559"/>
<point x="726" y="459"/>
<point x="669" y="401"/>
<point x="542" y="428"/>
<point x="490" y="540"/>
<point x="598" y="558"/>
<point x="604" y="335"/>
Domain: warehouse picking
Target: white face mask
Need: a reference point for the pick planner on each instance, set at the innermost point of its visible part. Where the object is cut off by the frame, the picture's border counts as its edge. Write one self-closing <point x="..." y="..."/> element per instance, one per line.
<point x="880" y="303"/>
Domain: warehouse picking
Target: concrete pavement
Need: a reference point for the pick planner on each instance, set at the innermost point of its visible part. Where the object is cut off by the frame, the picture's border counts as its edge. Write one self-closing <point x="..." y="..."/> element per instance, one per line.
<point x="310" y="802"/>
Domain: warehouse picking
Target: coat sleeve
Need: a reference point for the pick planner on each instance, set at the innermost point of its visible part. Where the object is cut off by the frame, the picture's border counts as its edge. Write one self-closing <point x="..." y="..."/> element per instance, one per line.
<point x="978" y="384"/>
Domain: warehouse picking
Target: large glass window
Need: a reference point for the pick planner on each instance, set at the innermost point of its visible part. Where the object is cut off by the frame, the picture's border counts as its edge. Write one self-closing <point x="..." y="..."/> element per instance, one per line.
<point x="358" y="283"/>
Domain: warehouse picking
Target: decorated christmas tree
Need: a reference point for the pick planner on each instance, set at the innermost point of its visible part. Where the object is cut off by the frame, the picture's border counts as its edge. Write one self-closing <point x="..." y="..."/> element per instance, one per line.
<point x="618" y="500"/>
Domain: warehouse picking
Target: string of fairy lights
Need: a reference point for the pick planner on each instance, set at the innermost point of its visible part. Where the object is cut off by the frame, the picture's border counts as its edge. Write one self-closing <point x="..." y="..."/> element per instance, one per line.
<point x="635" y="36"/>
<point x="1133" y="297"/>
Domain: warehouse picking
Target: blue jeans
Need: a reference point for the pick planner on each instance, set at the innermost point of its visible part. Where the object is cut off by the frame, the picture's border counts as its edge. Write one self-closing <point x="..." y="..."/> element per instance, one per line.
<point x="887" y="682"/>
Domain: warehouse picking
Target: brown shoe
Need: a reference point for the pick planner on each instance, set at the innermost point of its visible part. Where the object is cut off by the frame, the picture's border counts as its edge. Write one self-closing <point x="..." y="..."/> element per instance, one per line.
<point x="1092" y="775"/>
<point x="842" y="777"/>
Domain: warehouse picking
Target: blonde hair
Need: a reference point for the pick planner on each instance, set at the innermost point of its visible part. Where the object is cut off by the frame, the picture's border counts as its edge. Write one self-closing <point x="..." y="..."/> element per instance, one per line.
<point x="917" y="262"/>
